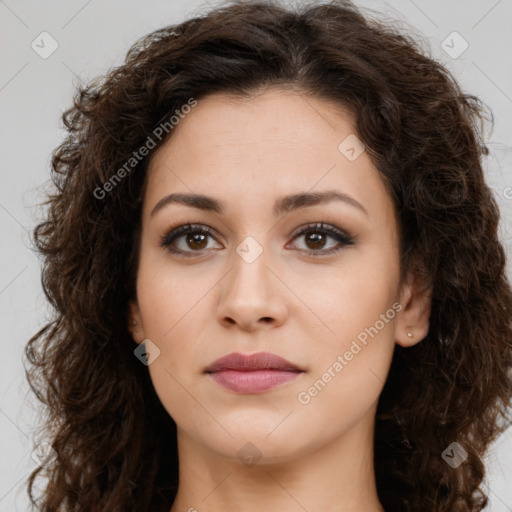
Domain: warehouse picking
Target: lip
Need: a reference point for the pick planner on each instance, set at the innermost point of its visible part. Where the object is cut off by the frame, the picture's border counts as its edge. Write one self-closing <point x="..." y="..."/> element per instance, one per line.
<point x="253" y="373"/>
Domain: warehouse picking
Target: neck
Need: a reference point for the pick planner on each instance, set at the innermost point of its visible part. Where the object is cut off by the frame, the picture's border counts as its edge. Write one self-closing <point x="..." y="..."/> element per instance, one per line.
<point x="336" y="477"/>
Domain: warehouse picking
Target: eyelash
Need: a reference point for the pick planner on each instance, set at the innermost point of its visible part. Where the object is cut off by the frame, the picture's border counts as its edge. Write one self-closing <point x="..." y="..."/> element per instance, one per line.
<point x="343" y="238"/>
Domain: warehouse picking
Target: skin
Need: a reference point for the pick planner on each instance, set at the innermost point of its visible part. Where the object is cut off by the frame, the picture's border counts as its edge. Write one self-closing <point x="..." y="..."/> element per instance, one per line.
<point x="247" y="153"/>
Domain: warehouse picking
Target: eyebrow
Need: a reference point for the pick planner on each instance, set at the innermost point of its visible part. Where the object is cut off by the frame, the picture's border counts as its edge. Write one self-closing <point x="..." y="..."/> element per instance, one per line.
<point x="282" y="205"/>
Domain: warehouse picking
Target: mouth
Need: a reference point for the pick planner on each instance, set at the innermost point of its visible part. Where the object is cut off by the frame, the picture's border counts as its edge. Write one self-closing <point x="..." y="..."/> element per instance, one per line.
<point x="254" y="373"/>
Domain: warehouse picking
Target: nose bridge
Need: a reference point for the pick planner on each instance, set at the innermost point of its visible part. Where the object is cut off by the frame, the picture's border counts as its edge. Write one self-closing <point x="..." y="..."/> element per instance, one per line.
<point x="250" y="269"/>
<point x="251" y="291"/>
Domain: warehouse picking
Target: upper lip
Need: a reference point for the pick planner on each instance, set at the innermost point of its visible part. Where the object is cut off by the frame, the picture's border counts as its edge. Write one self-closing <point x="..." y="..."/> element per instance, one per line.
<point x="258" y="361"/>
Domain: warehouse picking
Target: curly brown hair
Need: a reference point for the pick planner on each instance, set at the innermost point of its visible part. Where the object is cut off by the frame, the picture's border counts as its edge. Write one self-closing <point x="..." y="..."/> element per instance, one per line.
<point x="115" y="442"/>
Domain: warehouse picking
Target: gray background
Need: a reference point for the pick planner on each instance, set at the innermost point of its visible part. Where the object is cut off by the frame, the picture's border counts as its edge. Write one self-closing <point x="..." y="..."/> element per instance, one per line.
<point x="93" y="36"/>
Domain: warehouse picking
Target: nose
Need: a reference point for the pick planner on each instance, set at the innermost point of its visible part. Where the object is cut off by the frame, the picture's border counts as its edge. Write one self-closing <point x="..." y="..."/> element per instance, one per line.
<point x="253" y="296"/>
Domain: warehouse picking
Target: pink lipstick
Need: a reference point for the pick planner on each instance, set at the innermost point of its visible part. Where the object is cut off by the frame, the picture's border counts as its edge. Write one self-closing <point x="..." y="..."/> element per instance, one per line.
<point x="254" y="373"/>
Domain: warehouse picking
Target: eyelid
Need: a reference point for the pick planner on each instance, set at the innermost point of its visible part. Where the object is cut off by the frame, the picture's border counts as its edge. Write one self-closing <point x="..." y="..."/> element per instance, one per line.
<point x="173" y="233"/>
<point x="343" y="237"/>
<point x="321" y="226"/>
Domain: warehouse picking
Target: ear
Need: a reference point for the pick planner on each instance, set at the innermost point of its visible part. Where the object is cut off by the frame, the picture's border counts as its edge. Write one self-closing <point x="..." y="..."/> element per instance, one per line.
<point x="413" y="321"/>
<point x="135" y="326"/>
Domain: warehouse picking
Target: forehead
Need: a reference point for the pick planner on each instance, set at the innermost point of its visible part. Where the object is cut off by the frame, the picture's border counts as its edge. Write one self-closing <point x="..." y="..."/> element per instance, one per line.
<point x="249" y="150"/>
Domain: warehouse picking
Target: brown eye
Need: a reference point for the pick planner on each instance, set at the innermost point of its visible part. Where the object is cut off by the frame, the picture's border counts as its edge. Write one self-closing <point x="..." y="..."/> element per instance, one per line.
<point x="197" y="241"/>
<point x="187" y="239"/>
<point x="316" y="238"/>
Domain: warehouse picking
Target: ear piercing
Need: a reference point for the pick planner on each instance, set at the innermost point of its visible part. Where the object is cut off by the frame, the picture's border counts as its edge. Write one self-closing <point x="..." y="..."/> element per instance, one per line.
<point x="409" y="334"/>
<point x="134" y="322"/>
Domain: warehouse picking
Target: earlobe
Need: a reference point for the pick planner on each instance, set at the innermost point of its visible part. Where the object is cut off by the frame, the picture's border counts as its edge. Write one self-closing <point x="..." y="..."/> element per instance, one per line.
<point x="134" y="322"/>
<point x="413" y="321"/>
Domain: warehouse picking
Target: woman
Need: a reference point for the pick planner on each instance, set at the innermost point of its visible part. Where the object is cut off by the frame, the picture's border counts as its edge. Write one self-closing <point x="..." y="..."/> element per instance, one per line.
<point x="272" y="252"/>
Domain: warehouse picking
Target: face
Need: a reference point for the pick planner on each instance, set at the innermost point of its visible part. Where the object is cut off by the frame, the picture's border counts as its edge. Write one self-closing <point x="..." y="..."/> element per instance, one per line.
<point x="312" y="279"/>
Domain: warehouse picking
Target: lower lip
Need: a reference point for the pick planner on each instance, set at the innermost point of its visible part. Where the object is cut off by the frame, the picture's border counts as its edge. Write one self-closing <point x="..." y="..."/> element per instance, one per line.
<point x="255" y="381"/>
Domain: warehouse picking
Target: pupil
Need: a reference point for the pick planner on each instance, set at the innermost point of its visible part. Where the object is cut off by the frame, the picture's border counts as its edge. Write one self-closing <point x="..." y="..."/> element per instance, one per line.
<point x="317" y="240"/>
<point x="193" y="239"/>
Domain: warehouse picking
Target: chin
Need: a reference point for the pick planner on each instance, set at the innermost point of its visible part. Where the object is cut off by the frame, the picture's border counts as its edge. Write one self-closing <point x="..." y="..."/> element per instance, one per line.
<point x="249" y="449"/>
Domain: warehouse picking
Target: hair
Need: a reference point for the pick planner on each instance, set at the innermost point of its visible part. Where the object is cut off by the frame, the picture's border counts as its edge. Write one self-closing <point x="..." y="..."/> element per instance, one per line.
<point x="115" y="443"/>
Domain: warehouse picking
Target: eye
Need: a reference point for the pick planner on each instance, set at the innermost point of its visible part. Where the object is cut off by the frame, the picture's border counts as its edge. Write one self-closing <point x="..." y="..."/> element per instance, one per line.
<point x="193" y="236"/>
<point x="194" y="239"/>
<point x="316" y="236"/>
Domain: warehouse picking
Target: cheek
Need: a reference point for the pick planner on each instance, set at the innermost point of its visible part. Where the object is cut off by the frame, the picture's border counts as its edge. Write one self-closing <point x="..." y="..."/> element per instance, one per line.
<point x="168" y="294"/>
<point x="173" y="303"/>
<point x="351" y="296"/>
<point x="358" y="308"/>
<point x="168" y="308"/>
<point x="350" y="367"/>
